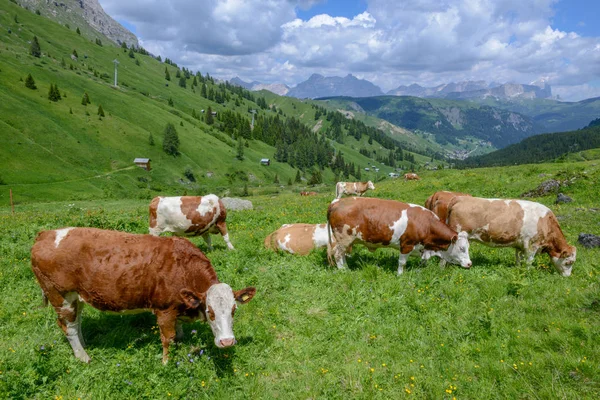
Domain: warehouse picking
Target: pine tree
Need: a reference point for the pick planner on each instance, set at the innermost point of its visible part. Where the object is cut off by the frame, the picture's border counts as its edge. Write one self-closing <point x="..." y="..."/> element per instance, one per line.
<point x="171" y="140"/>
<point x="203" y="91"/>
<point x="245" y="192"/>
<point x="178" y="74"/>
<point x="53" y="93"/>
<point x="298" y="177"/>
<point x="209" y="119"/>
<point x="85" y="100"/>
<point x="131" y="53"/>
<point x="240" y="149"/>
<point x="194" y="82"/>
<point x="182" y="82"/>
<point x="35" y="49"/>
<point x="75" y="53"/>
<point x="289" y="182"/>
<point x="276" y="179"/>
<point x="30" y="83"/>
<point x="78" y="31"/>
<point x="167" y="74"/>
<point x="170" y="101"/>
<point x="100" y="111"/>
<point x="151" y="139"/>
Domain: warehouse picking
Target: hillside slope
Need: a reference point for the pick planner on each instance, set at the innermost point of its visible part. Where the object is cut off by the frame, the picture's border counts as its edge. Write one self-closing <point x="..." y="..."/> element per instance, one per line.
<point x="64" y="150"/>
<point x="539" y="148"/>
<point x="448" y="120"/>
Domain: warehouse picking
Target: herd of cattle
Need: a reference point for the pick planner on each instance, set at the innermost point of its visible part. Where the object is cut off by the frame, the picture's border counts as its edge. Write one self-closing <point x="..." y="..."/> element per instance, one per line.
<point x="128" y="273"/>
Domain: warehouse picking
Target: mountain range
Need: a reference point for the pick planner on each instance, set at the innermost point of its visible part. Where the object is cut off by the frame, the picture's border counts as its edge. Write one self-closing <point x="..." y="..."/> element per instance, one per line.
<point x="317" y="86"/>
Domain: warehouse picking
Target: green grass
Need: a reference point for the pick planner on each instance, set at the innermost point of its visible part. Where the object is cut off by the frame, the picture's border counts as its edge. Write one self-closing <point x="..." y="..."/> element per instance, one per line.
<point x="493" y="332"/>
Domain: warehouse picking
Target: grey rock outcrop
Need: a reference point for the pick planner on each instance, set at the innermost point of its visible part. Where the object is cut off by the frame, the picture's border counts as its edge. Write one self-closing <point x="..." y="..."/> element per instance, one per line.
<point x="588" y="240"/>
<point x="563" y="198"/>
<point x="235" y="204"/>
<point x="78" y="12"/>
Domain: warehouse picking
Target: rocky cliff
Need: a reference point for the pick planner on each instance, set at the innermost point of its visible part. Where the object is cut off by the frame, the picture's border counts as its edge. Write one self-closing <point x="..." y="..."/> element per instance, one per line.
<point x="83" y="14"/>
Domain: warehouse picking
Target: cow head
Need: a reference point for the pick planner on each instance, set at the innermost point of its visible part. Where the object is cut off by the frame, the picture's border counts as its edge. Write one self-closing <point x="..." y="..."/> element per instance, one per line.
<point x="564" y="261"/>
<point x="370" y="185"/>
<point x="220" y="305"/>
<point x="458" y="251"/>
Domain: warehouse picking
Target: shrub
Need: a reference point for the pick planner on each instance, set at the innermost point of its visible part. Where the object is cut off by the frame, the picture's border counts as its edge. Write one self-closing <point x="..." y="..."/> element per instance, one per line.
<point x="35" y="49"/>
<point x="30" y="83"/>
<point x="188" y="173"/>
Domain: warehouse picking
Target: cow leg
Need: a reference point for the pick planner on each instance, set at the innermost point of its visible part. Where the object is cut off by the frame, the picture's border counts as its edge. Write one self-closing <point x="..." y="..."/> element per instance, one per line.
<point x="178" y="331"/>
<point x="69" y="319"/>
<point x="442" y="263"/>
<point x="339" y="253"/>
<point x="222" y="227"/>
<point x="167" y="322"/>
<point x="402" y="262"/>
<point x="79" y="334"/>
<point x="154" y="231"/>
<point x="518" y="257"/>
<point x="530" y="255"/>
<point x="206" y="237"/>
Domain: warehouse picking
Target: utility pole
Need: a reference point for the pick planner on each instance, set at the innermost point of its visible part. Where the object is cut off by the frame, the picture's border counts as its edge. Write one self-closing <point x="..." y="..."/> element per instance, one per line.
<point x="116" y="63"/>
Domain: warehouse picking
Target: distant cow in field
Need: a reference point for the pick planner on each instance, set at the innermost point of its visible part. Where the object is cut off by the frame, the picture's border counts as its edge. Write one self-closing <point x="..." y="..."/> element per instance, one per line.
<point x="438" y="202"/>
<point x="527" y="226"/>
<point x="126" y="273"/>
<point x="189" y="216"/>
<point x="308" y="193"/>
<point x="298" y="239"/>
<point x="382" y="223"/>
<point x="352" y="188"/>
<point x="411" y="176"/>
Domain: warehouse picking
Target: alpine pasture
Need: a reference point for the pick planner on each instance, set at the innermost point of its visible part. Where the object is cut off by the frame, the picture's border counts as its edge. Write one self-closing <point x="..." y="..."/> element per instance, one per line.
<point x="311" y="331"/>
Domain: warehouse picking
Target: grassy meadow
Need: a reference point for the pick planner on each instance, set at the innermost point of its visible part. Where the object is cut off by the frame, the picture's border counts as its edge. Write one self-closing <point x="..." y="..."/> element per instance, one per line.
<point x="494" y="331"/>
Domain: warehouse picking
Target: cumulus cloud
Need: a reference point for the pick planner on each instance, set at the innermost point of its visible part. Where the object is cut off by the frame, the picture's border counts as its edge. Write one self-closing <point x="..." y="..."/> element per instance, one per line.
<point x="391" y="43"/>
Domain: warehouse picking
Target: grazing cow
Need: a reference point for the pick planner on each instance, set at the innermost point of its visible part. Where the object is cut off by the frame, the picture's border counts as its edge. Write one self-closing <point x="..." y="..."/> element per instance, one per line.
<point x="298" y="238"/>
<point x="189" y="215"/>
<point x="308" y="193"/>
<point x="408" y="227"/>
<point x="126" y="273"/>
<point x="411" y="176"/>
<point x="352" y="188"/>
<point x="527" y="226"/>
<point x="438" y="202"/>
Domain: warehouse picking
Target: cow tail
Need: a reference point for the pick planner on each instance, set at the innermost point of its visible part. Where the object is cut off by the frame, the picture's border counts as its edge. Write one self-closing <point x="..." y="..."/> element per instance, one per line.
<point x="337" y="190"/>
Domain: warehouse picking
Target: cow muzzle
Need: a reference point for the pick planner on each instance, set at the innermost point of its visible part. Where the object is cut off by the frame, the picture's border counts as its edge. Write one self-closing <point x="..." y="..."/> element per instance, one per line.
<point x="223" y="343"/>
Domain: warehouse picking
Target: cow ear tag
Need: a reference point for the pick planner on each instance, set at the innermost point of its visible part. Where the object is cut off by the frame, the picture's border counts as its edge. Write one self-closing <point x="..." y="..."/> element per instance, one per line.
<point x="245" y="297"/>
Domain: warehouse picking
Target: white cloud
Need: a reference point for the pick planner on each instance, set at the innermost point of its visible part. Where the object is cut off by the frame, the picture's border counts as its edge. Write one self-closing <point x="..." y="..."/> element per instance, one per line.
<point x="391" y="43"/>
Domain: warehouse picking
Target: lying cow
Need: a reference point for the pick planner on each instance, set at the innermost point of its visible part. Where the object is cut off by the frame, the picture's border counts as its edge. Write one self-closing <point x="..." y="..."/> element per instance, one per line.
<point x="527" y="226"/>
<point x="189" y="215"/>
<point x="438" y="202"/>
<point x="408" y="227"/>
<point x="308" y="193"/>
<point x="352" y="188"/>
<point x="122" y="272"/>
<point x="411" y="176"/>
<point x="298" y="238"/>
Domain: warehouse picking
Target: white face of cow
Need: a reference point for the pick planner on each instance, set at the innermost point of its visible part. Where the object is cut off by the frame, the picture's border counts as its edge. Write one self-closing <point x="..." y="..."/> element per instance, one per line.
<point x="565" y="265"/>
<point x="458" y="252"/>
<point x="220" y="308"/>
<point x="370" y="185"/>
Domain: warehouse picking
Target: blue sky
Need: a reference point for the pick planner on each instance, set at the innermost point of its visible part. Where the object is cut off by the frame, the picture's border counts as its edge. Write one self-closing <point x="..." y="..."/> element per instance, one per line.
<point x="388" y="42"/>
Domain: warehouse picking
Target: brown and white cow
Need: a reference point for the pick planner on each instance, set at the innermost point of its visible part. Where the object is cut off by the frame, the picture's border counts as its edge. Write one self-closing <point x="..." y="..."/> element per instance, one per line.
<point x="298" y="238"/>
<point x="408" y="227"/>
<point x="189" y="216"/>
<point x="438" y="202"/>
<point x="527" y="226"/>
<point x="352" y="188"/>
<point x="308" y="193"/>
<point x="127" y="273"/>
<point x="411" y="176"/>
